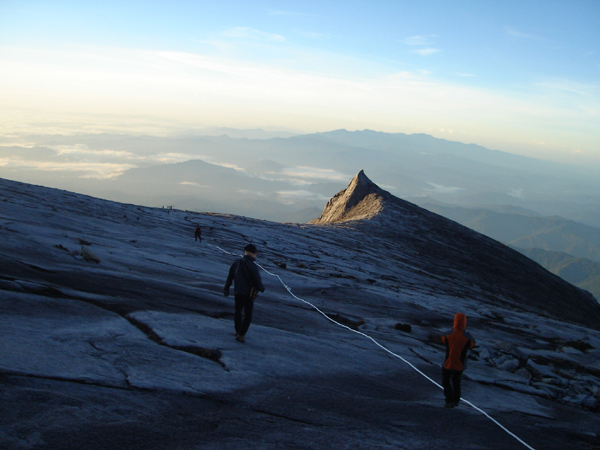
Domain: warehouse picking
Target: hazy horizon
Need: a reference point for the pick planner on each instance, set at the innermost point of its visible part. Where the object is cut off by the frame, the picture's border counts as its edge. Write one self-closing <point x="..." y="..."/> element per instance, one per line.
<point x="520" y="78"/>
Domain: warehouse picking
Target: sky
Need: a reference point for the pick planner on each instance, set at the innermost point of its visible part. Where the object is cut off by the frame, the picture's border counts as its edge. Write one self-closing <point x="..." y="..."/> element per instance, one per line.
<point x="518" y="76"/>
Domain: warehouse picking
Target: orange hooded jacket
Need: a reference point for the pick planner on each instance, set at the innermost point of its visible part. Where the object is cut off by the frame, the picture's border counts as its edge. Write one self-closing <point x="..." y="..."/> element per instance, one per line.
<point x="458" y="342"/>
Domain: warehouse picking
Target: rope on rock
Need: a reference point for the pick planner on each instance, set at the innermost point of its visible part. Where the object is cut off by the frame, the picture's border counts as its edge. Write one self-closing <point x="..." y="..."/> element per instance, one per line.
<point x="412" y="366"/>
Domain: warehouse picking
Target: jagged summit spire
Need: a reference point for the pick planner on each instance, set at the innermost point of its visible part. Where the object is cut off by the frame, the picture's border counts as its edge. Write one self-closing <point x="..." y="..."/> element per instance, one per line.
<point x="362" y="178"/>
<point x="362" y="199"/>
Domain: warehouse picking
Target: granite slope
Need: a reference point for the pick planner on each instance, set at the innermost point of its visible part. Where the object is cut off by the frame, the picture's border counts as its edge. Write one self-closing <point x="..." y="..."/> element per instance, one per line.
<point x="137" y="350"/>
<point x="443" y="247"/>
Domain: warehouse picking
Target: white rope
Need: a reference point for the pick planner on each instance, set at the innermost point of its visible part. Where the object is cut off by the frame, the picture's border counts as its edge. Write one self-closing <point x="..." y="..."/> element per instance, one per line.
<point x="385" y="349"/>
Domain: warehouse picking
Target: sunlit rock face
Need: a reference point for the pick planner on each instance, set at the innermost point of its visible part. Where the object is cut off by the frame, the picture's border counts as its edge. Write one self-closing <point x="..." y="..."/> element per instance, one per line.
<point x="409" y="234"/>
<point x="362" y="199"/>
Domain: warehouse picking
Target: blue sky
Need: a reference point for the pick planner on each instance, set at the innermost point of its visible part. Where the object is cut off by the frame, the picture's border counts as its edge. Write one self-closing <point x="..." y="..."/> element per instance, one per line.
<point x="519" y="76"/>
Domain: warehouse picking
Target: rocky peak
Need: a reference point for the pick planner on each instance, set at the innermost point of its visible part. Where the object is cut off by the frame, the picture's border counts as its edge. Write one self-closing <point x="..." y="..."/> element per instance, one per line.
<point x="362" y="199"/>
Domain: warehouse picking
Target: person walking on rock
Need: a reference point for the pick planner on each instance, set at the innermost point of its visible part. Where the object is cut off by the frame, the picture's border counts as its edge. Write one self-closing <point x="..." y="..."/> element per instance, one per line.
<point x="458" y="342"/>
<point x="198" y="233"/>
<point x="244" y="273"/>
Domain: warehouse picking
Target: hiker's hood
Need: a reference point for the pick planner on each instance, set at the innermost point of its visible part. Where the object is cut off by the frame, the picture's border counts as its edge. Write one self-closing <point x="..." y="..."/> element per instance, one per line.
<point x="460" y="322"/>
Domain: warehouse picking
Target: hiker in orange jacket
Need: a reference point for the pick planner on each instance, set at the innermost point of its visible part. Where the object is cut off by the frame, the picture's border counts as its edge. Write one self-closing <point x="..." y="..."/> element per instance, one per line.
<point x="458" y="342"/>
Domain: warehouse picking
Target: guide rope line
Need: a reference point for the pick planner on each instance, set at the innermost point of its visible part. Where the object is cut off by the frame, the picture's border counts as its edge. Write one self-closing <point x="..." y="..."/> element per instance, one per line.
<point x="385" y="349"/>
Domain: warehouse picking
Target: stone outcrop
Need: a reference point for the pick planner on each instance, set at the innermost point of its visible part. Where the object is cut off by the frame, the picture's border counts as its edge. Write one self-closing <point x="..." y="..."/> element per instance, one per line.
<point x="87" y="255"/>
<point x="362" y="199"/>
<point x="440" y="246"/>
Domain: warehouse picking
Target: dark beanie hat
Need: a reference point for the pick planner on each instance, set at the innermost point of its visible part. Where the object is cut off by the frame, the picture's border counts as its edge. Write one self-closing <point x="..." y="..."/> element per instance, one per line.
<point x="250" y="248"/>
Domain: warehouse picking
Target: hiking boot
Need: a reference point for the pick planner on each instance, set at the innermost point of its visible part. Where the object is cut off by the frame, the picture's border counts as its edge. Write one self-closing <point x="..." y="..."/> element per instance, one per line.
<point x="449" y="405"/>
<point x="240" y="338"/>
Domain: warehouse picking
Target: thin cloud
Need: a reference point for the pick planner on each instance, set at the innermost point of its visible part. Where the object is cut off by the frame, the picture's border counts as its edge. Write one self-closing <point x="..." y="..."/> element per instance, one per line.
<point x="291" y="197"/>
<point x="518" y="193"/>
<point x="441" y="189"/>
<point x="230" y="166"/>
<point x="422" y="41"/>
<point x="246" y="191"/>
<point x="94" y="170"/>
<point x="426" y="51"/>
<point x="315" y="35"/>
<point x="251" y="33"/>
<point x="78" y="150"/>
<point x="314" y="173"/>
<point x="192" y="183"/>
<point x="217" y="43"/>
<point x="167" y="85"/>
<point x="419" y="40"/>
<point x="570" y="87"/>
<point x="517" y="34"/>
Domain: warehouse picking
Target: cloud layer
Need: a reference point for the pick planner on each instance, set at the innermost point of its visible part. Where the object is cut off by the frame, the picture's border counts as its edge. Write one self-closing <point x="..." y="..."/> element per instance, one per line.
<point x="182" y="90"/>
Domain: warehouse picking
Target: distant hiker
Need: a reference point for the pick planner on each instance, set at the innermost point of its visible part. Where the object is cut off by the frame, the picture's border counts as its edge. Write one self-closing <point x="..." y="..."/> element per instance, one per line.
<point x="198" y="233"/>
<point x="247" y="285"/>
<point x="458" y="342"/>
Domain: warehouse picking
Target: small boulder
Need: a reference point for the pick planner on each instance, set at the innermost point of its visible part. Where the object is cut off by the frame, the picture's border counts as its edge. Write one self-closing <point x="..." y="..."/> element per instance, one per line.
<point x="523" y="372"/>
<point x="504" y="346"/>
<point x="87" y="255"/>
<point x="509" y="365"/>
<point x="539" y="370"/>
<point x="484" y="354"/>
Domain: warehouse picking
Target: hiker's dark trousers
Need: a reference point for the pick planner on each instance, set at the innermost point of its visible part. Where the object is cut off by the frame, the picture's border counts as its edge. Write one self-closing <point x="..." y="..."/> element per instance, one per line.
<point x="243" y="313"/>
<point x="451" y="385"/>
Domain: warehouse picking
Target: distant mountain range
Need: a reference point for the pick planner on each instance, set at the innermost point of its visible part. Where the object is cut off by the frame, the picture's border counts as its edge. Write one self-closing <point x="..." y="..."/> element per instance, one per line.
<point x="528" y="231"/>
<point x="564" y="247"/>
<point x="280" y="178"/>
<point x="524" y="202"/>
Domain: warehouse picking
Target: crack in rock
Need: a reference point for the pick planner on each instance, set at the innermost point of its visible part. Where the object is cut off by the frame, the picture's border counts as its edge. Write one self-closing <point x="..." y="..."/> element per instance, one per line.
<point x="212" y="354"/>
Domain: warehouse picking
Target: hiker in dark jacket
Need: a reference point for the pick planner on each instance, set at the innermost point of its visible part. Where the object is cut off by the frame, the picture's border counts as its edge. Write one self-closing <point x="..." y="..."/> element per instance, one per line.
<point x="198" y="233"/>
<point x="458" y="342"/>
<point x="248" y="283"/>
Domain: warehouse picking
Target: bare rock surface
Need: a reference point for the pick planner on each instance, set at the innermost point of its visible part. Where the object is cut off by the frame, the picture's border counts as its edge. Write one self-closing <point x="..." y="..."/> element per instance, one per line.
<point x="362" y="199"/>
<point x="138" y="351"/>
